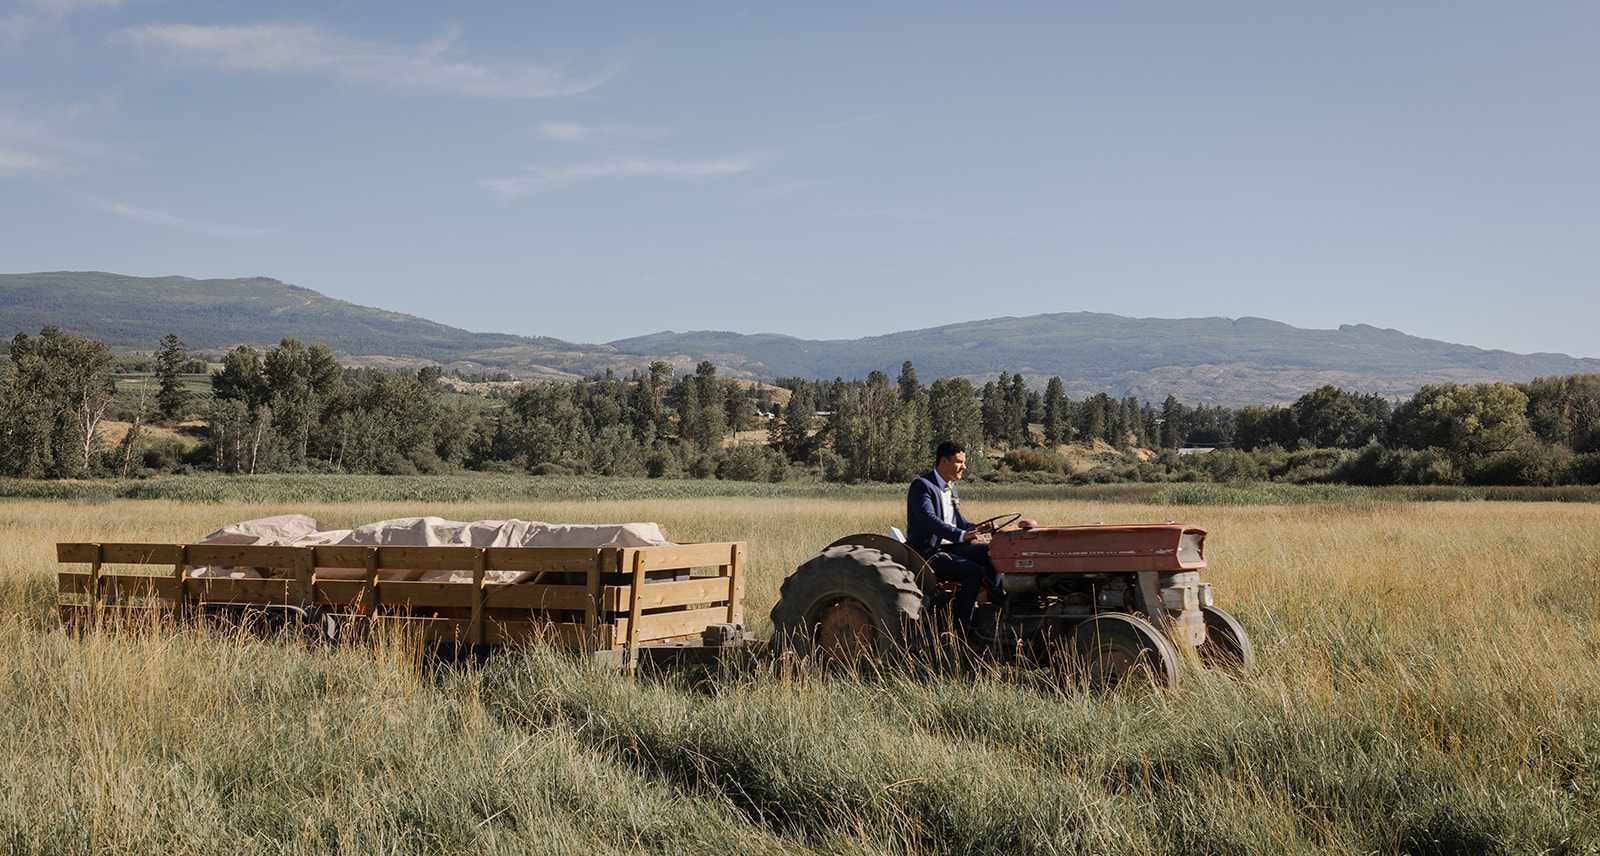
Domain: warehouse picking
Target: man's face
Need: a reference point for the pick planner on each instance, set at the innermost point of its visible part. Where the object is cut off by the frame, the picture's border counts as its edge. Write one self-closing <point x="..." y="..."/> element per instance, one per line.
<point x="950" y="469"/>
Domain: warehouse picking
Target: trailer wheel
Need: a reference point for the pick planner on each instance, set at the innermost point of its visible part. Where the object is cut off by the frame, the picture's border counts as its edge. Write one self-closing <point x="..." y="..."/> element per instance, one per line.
<point x="1226" y="646"/>
<point x="1116" y="648"/>
<point x="847" y="603"/>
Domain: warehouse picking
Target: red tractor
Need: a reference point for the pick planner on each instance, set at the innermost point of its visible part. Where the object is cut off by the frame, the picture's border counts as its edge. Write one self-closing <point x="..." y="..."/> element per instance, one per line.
<point x="1099" y="602"/>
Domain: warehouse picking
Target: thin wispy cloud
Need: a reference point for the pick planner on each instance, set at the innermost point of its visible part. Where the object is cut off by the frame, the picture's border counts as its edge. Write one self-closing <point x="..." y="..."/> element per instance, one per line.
<point x="15" y="162"/>
<point x="162" y="218"/>
<point x="539" y="179"/>
<point x="304" y="49"/>
<point x="889" y="212"/>
<point x="40" y="143"/>
<point x="781" y="191"/>
<point x="575" y="132"/>
<point x="31" y="16"/>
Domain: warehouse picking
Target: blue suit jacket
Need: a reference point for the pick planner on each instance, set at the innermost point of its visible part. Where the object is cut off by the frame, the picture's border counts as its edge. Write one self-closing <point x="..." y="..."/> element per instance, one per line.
<point x="924" y="528"/>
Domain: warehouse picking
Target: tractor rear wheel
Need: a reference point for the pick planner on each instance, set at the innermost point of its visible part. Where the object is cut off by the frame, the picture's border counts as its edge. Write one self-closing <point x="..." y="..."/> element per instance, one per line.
<point x="1226" y="646"/>
<point x="1116" y="648"/>
<point x="847" y="603"/>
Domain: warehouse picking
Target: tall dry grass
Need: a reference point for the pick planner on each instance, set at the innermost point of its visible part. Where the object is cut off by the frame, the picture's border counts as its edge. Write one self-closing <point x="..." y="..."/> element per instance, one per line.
<point x="1426" y="683"/>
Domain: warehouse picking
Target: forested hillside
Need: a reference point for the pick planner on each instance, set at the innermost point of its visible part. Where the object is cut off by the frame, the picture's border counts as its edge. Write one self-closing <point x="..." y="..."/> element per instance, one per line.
<point x="295" y="409"/>
<point x="1217" y="361"/>
<point x="213" y="315"/>
<point x="1224" y="361"/>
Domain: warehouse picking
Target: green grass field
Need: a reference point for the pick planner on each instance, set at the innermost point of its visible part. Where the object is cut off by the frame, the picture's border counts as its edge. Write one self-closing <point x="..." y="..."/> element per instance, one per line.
<point x="1426" y="683"/>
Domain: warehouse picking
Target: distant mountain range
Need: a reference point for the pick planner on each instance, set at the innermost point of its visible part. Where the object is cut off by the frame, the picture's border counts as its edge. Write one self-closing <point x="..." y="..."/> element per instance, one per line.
<point x="1223" y="361"/>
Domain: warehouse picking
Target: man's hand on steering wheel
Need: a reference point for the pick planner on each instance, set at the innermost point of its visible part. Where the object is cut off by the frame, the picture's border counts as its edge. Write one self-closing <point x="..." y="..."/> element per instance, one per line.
<point x="996" y="523"/>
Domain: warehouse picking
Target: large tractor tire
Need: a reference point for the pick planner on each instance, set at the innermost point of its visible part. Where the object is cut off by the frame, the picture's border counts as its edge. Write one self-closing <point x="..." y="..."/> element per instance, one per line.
<point x="1226" y="646"/>
<point x="849" y="603"/>
<point x="1117" y="648"/>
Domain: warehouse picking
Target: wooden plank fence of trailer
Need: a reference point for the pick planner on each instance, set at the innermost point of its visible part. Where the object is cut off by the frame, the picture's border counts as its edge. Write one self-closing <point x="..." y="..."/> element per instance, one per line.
<point x="592" y="599"/>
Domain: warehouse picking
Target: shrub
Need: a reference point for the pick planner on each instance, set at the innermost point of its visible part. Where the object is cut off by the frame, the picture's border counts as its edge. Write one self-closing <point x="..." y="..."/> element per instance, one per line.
<point x="661" y="464"/>
<point x="745" y="463"/>
<point x="702" y="467"/>
<point x="1230" y="465"/>
<point x="549" y="468"/>
<point x="1034" y="461"/>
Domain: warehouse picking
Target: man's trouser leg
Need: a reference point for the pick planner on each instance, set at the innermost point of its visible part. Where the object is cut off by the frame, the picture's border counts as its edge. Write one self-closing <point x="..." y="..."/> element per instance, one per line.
<point x="967" y="564"/>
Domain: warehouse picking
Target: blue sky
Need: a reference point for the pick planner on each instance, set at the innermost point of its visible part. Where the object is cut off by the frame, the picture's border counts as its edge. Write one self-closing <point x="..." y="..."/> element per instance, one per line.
<point x="593" y="171"/>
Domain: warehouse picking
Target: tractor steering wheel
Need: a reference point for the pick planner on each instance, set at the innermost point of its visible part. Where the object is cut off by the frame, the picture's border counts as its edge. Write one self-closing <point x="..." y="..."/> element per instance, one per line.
<point x="1009" y="518"/>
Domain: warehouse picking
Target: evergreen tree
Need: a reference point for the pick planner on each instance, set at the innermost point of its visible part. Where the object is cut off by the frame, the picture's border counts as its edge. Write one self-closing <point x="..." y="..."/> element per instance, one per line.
<point x="1173" y="416"/>
<point x="953" y="414"/>
<point x="913" y="435"/>
<point x="170" y="362"/>
<point x="650" y="406"/>
<point x="843" y="428"/>
<point x="996" y="427"/>
<point x="878" y="409"/>
<point x="792" y="435"/>
<point x="710" y="421"/>
<point x="739" y="410"/>
<point x="1093" y="416"/>
<point x="1057" y="415"/>
<point x="1016" y="412"/>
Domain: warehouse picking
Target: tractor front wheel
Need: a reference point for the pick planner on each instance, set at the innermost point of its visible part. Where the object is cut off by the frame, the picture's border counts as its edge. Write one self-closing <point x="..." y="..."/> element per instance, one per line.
<point x="1116" y="648"/>
<point x="1226" y="646"/>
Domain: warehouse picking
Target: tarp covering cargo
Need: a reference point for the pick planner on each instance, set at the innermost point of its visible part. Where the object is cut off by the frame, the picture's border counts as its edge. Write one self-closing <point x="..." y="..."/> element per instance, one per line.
<point x="299" y="530"/>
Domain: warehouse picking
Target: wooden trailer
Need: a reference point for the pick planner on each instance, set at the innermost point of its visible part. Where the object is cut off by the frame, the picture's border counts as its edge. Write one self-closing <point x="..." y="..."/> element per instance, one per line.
<point x="613" y="602"/>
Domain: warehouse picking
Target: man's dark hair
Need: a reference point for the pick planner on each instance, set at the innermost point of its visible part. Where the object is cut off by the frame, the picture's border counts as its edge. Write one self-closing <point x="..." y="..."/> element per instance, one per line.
<point x="948" y="449"/>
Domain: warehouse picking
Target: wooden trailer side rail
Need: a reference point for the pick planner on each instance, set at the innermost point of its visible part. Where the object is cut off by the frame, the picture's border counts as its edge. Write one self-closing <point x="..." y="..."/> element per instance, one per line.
<point x="606" y="597"/>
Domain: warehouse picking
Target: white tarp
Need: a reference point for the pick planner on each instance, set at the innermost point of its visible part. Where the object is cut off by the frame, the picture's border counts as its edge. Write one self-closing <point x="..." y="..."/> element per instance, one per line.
<point x="298" y="530"/>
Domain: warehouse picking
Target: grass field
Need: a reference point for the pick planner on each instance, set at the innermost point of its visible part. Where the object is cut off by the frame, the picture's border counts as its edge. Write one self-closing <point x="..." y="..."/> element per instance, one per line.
<point x="1426" y="683"/>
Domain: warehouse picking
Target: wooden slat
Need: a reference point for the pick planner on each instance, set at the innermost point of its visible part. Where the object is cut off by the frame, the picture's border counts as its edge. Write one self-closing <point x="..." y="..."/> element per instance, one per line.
<point x="535" y="559"/>
<point x="591" y="611"/>
<point x="685" y="556"/>
<point x="369" y="591"/>
<point x="736" y="583"/>
<point x="96" y="572"/>
<point x="496" y="596"/>
<point x="116" y="585"/>
<point x="343" y="556"/>
<point x="669" y="625"/>
<point x="574" y="637"/>
<point x="118" y="554"/>
<point x="421" y="594"/>
<point x="565" y="635"/>
<point x="636" y="607"/>
<point x="244" y="555"/>
<point x="74" y="552"/>
<point x="671" y="593"/>
<point x="428" y="558"/>
<point x="526" y="596"/>
<point x="254" y="591"/>
<point x="547" y="560"/>
<point x="345" y="592"/>
<point x="179" y="593"/>
<point x="550" y="559"/>
<point x="480" y="567"/>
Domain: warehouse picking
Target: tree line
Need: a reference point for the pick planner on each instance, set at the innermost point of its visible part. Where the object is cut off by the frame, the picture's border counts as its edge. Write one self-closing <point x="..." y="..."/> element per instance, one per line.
<point x="294" y="408"/>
